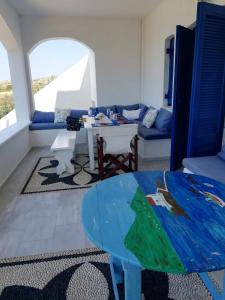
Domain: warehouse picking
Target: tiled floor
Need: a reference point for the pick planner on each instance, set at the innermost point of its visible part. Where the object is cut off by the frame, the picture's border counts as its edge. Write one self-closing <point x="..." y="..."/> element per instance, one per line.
<point x="44" y="222"/>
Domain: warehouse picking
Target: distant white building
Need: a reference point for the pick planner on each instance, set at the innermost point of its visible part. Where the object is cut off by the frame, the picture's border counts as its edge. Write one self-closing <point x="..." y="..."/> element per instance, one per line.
<point x="8" y="120"/>
<point x="74" y="88"/>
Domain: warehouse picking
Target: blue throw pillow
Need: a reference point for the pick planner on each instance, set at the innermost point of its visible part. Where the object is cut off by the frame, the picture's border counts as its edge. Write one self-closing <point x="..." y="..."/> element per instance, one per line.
<point x="103" y="109"/>
<point x="120" y="108"/>
<point x="144" y="109"/>
<point x="163" y="120"/>
<point x="222" y="153"/>
<point x="43" y="117"/>
<point x="78" y="113"/>
<point x="94" y="111"/>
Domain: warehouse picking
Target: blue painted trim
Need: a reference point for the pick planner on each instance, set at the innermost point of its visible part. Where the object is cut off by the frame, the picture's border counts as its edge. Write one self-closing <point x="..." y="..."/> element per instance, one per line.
<point x="170" y="52"/>
<point x="181" y="95"/>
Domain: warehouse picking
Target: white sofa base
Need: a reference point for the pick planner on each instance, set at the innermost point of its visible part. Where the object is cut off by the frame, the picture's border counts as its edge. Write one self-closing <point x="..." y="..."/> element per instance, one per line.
<point x="154" y="149"/>
<point x="41" y="138"/>
<point x="46" y="137"/>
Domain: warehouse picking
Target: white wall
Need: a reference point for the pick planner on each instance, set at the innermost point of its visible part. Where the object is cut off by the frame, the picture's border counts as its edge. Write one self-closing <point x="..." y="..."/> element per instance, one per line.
<point x="115" y="42"/>
<point x="70" y="90"/>
<point x="12" y="152"/>
<point x="10" y="36"/>
<point x="14" y="149"/>
<point x="156" y="27"/>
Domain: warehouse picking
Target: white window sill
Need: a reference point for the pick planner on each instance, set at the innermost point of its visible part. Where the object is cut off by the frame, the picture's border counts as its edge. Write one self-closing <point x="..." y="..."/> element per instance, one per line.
<point x="10" y="132"/>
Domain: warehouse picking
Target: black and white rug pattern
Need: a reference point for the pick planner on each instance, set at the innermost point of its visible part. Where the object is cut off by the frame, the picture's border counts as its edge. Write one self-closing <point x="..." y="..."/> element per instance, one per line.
<point x="85" y="275"/>
<point x="44" y="177"/>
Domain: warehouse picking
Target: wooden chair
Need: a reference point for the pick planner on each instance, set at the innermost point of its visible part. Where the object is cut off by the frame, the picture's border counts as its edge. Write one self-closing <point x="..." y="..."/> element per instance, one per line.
<point x="117" y="149"/>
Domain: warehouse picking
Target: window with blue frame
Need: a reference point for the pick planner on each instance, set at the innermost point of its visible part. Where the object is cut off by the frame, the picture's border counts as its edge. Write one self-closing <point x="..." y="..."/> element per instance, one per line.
<point x="169" y="68"/>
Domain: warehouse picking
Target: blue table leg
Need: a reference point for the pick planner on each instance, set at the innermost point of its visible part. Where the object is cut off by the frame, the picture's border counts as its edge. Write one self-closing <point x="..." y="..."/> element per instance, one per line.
<point x="132" y="281"/>
<point x="223" y="292"/>
<point x="117" y="268"/>
<point x="211" y="287"/>
<point x="117" y="274"/>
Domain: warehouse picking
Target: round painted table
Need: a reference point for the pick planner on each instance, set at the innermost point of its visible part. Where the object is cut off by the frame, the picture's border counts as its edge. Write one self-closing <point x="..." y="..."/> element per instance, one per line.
<point x="162" y="221"/>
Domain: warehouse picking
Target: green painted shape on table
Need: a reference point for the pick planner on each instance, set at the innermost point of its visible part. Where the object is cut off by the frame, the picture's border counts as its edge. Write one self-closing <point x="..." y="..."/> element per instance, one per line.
<point x="148" y="241"/>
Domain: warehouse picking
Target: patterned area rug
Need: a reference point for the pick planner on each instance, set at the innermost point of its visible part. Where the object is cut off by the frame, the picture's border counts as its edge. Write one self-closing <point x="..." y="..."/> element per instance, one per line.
<point x="45" y="179"/>
<point x="85" y="275"/>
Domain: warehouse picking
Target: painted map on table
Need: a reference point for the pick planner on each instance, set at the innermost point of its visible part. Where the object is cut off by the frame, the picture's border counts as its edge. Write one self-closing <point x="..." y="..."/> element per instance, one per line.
<point x="180" y="222"/>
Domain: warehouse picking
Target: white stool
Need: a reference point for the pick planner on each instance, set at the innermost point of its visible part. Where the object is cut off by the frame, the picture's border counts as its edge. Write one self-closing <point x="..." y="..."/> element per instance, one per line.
<point x="63" y="148"/>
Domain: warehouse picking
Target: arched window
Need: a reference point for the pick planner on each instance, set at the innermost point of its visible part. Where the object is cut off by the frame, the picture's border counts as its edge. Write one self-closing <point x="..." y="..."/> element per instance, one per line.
<point x="7" y="111"/>
<point x="62" y="75"/>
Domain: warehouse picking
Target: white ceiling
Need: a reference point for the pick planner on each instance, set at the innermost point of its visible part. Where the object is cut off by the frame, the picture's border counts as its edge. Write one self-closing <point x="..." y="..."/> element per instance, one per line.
<point x="120" y="8"/>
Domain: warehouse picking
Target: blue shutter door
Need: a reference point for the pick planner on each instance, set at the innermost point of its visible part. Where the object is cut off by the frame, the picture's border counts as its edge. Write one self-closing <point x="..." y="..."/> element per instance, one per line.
<point x="182" y="93"/>
<point x="207" y="101"/>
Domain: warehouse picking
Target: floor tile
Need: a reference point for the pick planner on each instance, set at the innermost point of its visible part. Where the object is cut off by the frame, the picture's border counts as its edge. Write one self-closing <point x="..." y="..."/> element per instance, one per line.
<point x="40" y="228"/>
<point x="46" y="221"/>
<point x="10" y="241"/>
<point x="69" y="237"/>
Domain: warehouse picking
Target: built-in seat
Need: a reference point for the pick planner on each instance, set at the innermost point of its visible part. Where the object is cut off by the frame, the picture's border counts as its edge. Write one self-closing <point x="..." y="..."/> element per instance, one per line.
<point x="45" y="120"/>
<point x="154" y="142"/>
<point x="210" y="166"/>
<point x="146" y="133"/>
<point x="151" y="133"/>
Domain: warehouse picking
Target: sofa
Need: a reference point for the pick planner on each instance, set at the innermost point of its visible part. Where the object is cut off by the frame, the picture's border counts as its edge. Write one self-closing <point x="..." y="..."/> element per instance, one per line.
<point x="154" y="142"/>
<point x="45" y="120"/>
<point x="152" y="133"/>
<point x="209" y="166"/>
<point x="43" y="130"/>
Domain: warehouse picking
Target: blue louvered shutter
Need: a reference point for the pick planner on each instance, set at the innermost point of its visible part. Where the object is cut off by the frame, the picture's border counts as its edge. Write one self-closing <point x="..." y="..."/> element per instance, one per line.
<point x="207" y="100"/>
<point x="182" y="93"/>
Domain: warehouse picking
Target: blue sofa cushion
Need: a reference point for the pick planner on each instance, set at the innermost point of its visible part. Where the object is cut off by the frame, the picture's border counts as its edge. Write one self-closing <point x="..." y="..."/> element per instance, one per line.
<point x="120" y="108"/>
<point x="151" y="133"/>
<point x="163" y="120"/>
<point x="78" y="113"/>
<point x="43" y="117"/>
<point x="210" y="166"/>
<point x="44" y="126"/>
<point x="144" y="109"/>
<point x="102" y="109"/>
<point x="94" y="111"/>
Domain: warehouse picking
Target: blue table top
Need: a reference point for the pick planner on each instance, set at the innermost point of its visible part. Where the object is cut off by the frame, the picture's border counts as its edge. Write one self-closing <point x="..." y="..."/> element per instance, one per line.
<point x="163" y="221"/>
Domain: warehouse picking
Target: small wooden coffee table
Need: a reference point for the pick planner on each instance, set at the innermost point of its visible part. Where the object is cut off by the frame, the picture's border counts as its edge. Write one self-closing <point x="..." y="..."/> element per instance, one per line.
<point x="63" y="148"/>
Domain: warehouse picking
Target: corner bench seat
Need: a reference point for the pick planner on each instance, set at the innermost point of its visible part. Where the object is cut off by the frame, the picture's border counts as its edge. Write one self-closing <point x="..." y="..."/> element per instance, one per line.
<point x="153" y="144"/>
<point x="209" y="166"/>
<point x="45" y="120"/>
<point x="145" y="133"/>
